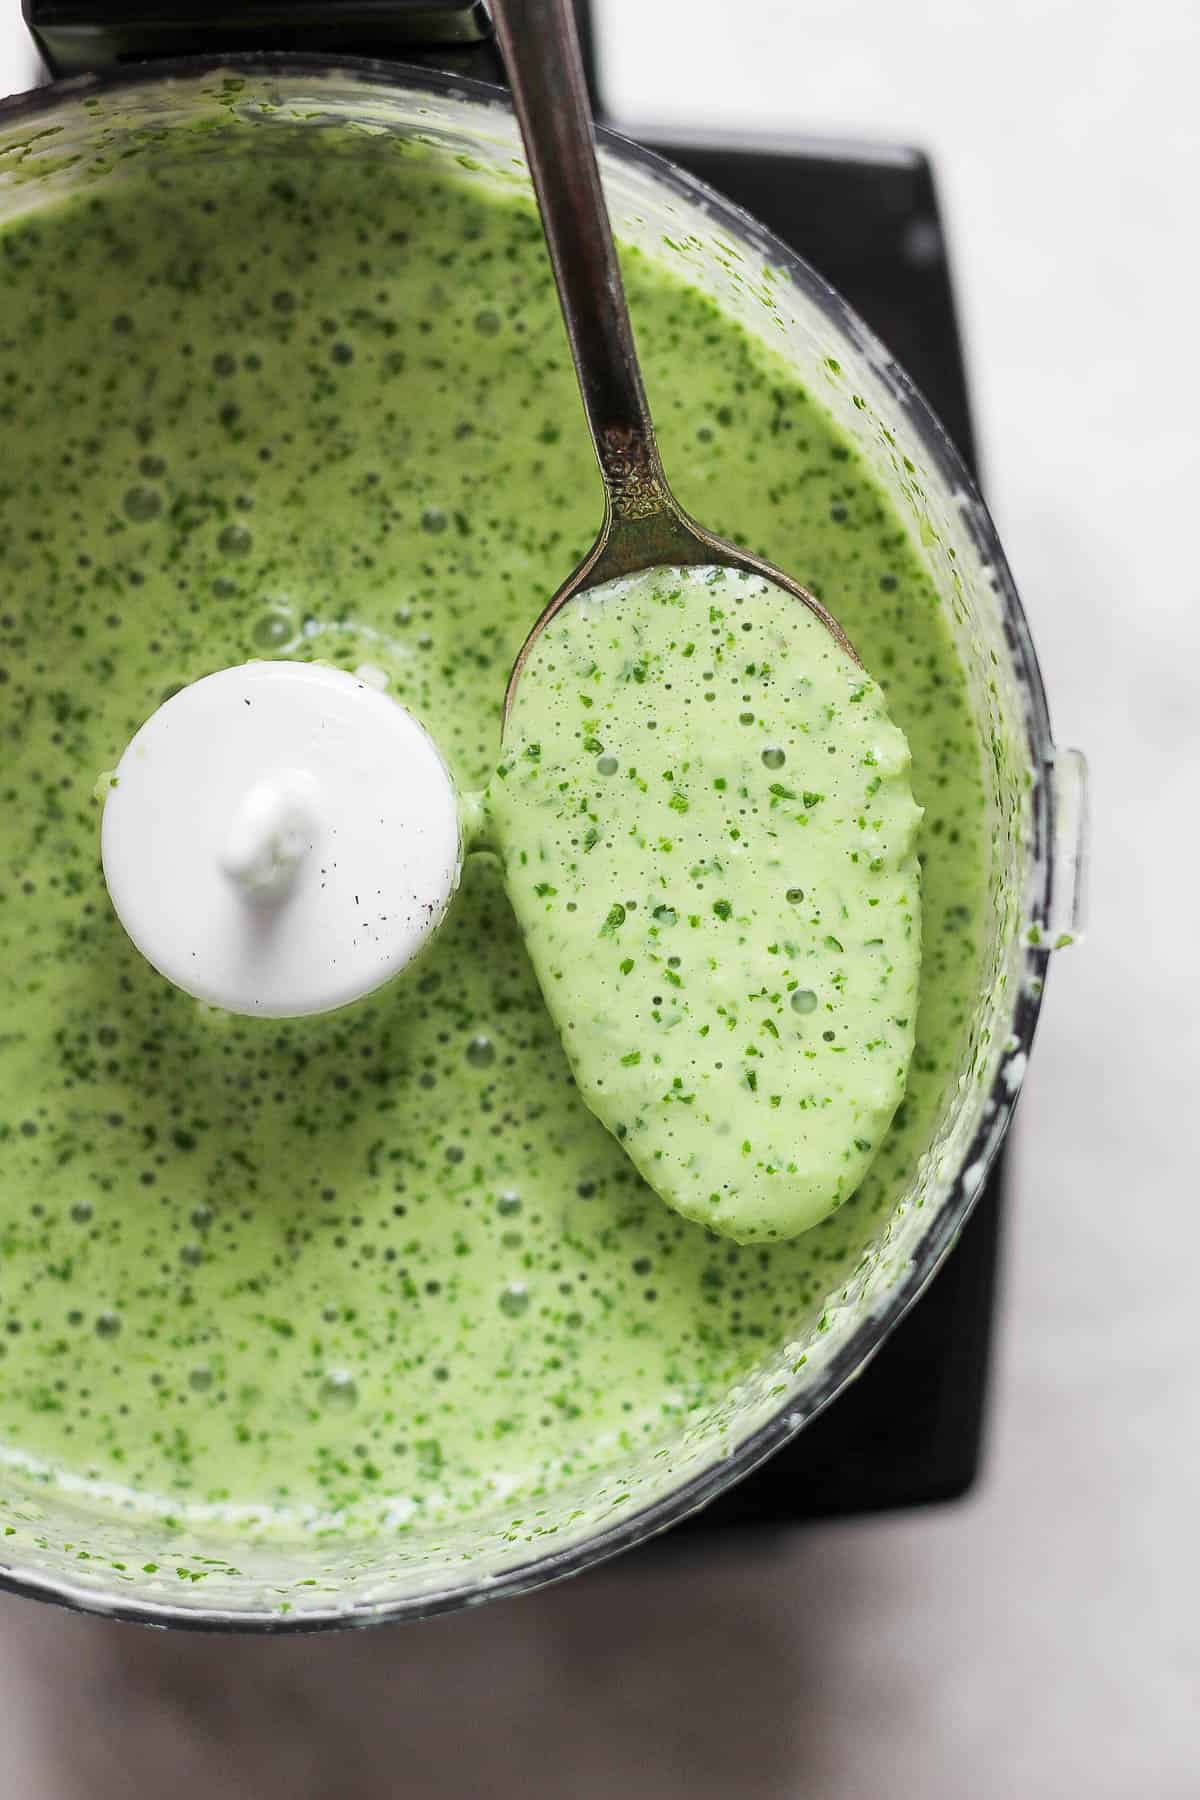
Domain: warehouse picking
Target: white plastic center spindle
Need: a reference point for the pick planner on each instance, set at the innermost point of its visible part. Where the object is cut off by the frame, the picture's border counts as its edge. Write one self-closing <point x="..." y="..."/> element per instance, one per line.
<point x="280" y="838"/>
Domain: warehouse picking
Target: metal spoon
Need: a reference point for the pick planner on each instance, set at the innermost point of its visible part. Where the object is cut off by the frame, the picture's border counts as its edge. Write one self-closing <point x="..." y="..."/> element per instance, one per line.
<point x="644" y="525"/>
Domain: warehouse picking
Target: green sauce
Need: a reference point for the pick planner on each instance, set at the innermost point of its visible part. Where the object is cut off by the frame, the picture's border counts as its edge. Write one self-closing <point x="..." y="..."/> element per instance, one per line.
<point x="709" y="837"/>
<point x="384" y="1262"/>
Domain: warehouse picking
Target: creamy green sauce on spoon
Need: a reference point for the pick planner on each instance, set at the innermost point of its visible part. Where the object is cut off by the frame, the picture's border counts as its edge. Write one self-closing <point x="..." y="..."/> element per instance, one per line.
<point x="709" y="840"/>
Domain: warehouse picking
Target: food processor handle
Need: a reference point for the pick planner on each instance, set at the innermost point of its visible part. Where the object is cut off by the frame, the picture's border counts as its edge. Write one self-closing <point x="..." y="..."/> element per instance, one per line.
<point x="75" y="37"/>
<point x="540" y="45"/>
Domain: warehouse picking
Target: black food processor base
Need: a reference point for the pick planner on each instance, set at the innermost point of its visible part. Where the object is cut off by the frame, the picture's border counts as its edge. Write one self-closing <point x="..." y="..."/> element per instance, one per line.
<point x="909" y="1431"/>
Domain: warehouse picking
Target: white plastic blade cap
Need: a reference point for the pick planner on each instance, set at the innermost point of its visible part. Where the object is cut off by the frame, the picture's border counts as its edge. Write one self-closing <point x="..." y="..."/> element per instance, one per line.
<point x="280" y="838"/>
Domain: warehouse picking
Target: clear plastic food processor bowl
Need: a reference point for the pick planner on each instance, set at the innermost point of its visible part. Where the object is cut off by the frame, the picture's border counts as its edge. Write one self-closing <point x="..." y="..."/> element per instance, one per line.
<point x="63" y="1545"/>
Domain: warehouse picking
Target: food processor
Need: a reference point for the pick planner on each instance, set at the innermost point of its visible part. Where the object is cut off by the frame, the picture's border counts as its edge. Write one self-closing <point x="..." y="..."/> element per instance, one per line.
<point x="308" y="72"/>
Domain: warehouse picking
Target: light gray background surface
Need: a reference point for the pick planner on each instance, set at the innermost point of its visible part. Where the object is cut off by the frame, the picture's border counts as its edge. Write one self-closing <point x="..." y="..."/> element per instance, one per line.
<point x="1039" y="1640"/>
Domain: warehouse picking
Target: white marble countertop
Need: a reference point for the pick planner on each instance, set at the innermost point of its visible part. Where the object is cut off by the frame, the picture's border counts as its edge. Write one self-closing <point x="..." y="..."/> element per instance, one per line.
<point x="1039" y="1639"/>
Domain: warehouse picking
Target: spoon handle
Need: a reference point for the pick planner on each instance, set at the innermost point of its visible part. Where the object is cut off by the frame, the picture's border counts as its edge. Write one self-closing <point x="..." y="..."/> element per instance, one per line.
<point x="541" y="52"/>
